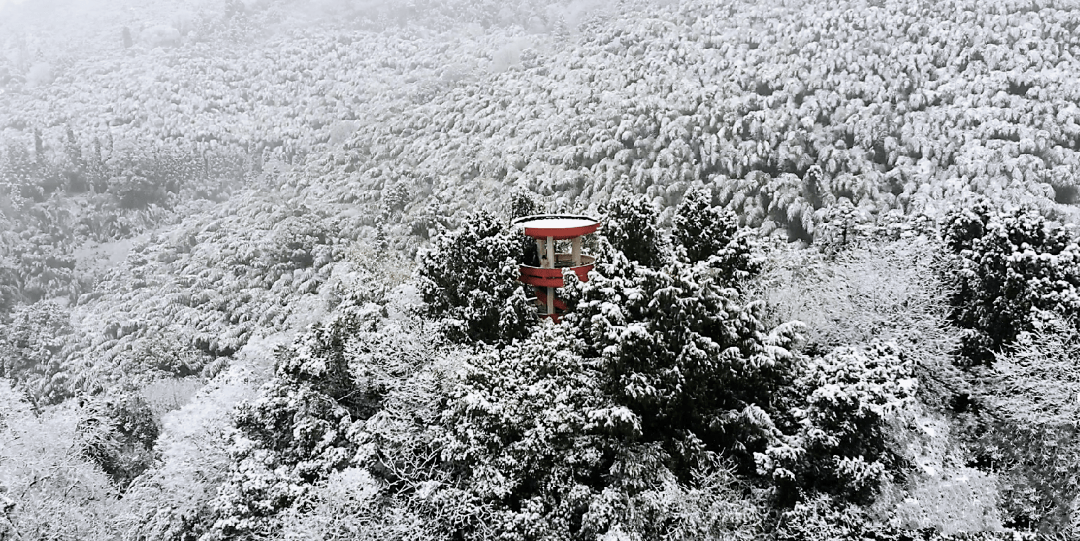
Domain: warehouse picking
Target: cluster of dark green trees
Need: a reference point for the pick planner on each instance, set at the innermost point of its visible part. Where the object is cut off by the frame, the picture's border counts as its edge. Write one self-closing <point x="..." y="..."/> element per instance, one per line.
<point x="667" y="404"/>
<point x="670" y="403"/>
<point x="664" y="406"/>
<point x="660" y="408"/>
<point x="1013" y="282"/>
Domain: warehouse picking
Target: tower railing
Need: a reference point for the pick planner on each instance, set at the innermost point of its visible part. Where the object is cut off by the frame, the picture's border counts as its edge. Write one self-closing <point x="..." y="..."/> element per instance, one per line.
<point x="546" y="276"/>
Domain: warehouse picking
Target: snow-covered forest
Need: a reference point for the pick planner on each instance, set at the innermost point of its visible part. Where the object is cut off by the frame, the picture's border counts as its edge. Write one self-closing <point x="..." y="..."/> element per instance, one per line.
<point x="258" y="278"/>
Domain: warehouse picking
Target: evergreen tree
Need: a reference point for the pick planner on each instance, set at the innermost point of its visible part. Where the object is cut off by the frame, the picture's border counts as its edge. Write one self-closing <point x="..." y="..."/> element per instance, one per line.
<point x="469" y="278"/>
<point x="118" y="434"/>
<point x="34" y="349"/>
<point x="534" y="439"/>
<point x="630" y="225"/>
<point x="1007" y="268"/>
<point x="836" y="437"/>
<point x="698" y="368"/>
<point x="296" y="432"/>
<point x="522" y="204"/>
<point x="709" y="233"/>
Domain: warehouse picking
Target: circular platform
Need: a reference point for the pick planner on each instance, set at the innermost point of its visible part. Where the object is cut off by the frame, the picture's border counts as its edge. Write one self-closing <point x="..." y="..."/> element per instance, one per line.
<point x="557" y="226"/>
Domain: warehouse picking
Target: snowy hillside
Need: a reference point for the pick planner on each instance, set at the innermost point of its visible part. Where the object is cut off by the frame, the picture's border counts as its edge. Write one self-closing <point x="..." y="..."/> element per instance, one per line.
<point x="257" y="279"/>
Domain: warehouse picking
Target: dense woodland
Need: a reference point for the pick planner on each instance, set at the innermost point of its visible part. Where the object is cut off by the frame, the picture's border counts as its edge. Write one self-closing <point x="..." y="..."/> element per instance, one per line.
<point x="258" y="278"/>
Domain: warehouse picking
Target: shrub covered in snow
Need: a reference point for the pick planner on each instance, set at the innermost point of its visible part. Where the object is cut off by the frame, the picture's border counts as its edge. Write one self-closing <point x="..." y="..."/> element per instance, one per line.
<point x="1009" y="270"/>
<point x="841" y="420"/>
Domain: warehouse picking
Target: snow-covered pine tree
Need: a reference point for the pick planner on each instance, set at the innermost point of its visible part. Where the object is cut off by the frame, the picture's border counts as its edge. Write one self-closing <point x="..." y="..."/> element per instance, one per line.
<point x="295" y="433"/>
<point x="469" y="279"/>
<point x="118" y="433"/>
<point x="837" y="438"/>
<point x="709" y="233"/>
<point x="532" y="439"/>
<point x="522" y="203"/>
<point x="630" y="225"/>
<point x="1007" y="268"/>
<point x="33" y="350"/>
<point x="679" y="350"/>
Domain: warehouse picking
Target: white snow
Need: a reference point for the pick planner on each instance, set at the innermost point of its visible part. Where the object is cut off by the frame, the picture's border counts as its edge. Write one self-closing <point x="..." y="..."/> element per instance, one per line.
<point x="559" y="223"/>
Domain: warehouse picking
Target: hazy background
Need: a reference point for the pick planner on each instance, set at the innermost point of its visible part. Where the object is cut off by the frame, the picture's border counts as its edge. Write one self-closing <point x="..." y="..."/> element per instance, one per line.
<point x="39" y="39"/>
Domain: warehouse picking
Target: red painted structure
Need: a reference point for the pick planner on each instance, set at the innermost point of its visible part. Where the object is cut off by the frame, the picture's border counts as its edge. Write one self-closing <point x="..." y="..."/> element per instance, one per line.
<point x="548" y="276"/>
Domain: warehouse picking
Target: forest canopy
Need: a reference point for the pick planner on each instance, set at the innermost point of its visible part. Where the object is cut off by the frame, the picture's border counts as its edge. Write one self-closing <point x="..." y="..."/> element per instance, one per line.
<point x="258" y="278"/>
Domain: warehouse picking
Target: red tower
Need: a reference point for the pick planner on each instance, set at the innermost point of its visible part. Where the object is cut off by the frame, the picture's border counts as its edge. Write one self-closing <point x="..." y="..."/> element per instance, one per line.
<point x="546" y="275"/>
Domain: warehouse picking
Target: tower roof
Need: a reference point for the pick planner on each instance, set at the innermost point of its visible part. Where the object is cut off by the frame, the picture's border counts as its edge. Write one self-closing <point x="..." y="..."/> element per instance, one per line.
<point x="557" y="226"/>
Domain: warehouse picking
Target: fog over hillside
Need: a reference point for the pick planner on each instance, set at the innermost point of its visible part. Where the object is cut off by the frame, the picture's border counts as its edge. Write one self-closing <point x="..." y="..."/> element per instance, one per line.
<point x="263" y="273"/>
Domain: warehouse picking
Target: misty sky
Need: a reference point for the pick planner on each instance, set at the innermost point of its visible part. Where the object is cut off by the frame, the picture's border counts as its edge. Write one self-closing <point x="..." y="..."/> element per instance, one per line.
<point x="4" y="3"/>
